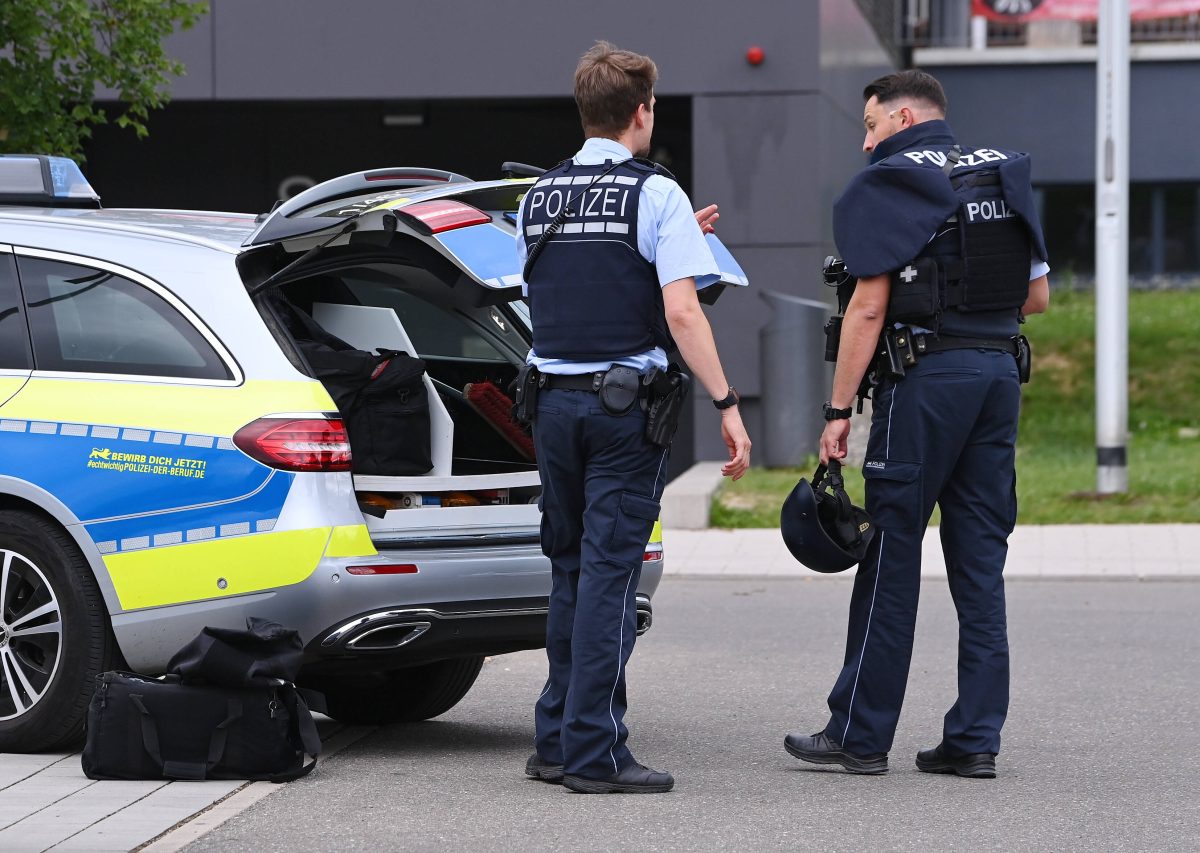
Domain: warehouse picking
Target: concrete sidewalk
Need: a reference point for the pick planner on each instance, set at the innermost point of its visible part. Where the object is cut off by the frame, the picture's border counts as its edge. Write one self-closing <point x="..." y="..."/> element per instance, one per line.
<point x="1049" y="551"/>
<point x="46" y="803"/>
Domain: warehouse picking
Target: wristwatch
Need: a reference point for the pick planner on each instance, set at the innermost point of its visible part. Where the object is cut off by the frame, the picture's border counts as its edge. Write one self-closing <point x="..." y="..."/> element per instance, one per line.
<point x="832" y="414"/>
<point x="731" y="400"/>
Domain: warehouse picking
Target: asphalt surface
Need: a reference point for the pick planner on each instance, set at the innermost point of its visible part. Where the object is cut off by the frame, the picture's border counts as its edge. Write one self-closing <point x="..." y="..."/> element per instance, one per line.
<point x="1100" y="750"/>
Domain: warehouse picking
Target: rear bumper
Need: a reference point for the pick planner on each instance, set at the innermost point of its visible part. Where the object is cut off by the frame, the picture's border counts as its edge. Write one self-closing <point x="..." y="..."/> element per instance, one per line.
<point x="413" y="635"/>
<point x="459" y="602"/>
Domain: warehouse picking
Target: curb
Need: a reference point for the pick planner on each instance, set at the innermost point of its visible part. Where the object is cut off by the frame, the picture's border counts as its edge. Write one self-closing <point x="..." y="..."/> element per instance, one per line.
<point x="1035" y="551"/>
<point x="686" y="499"/>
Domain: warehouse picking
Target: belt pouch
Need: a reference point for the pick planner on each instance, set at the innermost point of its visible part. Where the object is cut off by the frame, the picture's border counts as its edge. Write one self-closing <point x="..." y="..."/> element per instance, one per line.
<point x="619" y="390"/>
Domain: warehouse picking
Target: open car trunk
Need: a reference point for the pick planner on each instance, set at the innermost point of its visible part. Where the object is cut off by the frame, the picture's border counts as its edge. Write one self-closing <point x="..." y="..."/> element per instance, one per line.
<point x="423" y="262"/>
<point x="484" y="482"/>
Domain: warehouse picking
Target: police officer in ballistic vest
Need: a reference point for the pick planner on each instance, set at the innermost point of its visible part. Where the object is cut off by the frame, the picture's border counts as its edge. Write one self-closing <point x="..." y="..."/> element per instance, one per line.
<point x="949" y="258"/>
<point x="613" y="256"/>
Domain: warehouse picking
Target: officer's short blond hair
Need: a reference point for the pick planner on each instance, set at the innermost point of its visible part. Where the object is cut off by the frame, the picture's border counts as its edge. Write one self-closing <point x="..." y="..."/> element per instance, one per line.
<point x="609" y="85"/>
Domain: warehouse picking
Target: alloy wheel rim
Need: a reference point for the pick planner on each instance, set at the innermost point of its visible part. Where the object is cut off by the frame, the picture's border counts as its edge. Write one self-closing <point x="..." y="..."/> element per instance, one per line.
<point x="30" y="634"/>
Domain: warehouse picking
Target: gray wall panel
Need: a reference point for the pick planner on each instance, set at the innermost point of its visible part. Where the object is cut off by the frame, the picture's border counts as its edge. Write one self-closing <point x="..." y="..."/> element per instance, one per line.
<point x="472" y="48"/>
<point x="751" y="153"/>
<point x="850" y="58"/>
<point x="194" y="49"/>
<point x="1050" y="111"/>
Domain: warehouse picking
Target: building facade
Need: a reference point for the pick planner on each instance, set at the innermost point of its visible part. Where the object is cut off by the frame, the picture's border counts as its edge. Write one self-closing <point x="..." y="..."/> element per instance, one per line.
<point x="280" y="94"/>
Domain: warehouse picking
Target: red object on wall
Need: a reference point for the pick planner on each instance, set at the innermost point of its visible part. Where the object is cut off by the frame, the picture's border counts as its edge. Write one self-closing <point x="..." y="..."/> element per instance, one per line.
<point x="755" y="55"/>
<point x="1019" y="11"/>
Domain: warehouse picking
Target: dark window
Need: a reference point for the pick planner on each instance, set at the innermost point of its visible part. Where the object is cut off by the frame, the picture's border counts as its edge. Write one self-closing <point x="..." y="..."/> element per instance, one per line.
<point x="1164" y="230"/>
<point x="14" y="335"/>
<point x="93" y="321"/>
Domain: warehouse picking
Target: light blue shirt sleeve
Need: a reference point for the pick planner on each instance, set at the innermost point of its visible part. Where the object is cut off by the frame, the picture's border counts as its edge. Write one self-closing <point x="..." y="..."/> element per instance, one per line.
<point x="1037" y="269"/>
<point x="669" y="236"/>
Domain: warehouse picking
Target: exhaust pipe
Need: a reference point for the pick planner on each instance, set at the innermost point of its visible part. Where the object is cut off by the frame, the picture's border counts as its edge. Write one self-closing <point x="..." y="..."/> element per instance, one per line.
<point x="388" y="636"/>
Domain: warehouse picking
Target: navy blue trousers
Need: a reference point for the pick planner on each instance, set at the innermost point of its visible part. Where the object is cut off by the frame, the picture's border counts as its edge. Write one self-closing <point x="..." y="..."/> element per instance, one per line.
<point x="945" y="433"/>
<point x="601" y="486"/>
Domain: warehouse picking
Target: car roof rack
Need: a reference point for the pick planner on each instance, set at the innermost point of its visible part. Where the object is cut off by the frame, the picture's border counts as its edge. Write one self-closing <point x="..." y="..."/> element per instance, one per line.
<point x="41" y="180"/>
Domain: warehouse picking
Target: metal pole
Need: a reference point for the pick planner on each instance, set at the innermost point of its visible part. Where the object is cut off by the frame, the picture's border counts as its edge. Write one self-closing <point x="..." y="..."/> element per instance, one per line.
<point x="1112" y="246"/>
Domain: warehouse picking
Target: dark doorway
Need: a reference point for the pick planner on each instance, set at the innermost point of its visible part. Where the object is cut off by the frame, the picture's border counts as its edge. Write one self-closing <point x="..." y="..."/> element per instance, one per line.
<point x="243" y="156"/>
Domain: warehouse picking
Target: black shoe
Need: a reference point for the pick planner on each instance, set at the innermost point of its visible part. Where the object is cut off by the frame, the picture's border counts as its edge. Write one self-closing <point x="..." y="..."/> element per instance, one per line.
<point x="634" y="779"/>
<point x="822" y="749"/>
<point x="538" y="768"/>
<point x="976" y="765"/>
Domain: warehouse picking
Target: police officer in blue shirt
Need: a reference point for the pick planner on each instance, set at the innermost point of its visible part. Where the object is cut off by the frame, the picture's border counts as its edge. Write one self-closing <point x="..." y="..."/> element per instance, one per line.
<point x="948" y="252"/>
<point x="613" y="256"/>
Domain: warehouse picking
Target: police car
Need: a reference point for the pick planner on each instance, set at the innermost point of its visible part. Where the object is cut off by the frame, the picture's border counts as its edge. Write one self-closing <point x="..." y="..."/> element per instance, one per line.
<point x="168" y="461"/>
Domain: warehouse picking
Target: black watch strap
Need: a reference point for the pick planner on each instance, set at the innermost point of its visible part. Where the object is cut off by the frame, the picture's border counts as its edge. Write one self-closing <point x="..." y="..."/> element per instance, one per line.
<point x="731" y="399"/>
<point x="832" y="414"/>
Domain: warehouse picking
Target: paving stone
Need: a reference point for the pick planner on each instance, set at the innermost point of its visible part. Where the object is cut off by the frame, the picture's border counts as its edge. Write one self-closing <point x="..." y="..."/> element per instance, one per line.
<point x="150" y="816"/>
<point x="15" y="767"/>
<point x="73" y="814"/>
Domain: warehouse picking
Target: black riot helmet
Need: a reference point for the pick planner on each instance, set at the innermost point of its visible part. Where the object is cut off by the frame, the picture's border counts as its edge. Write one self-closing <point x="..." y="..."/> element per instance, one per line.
<point x="820" y="526"/>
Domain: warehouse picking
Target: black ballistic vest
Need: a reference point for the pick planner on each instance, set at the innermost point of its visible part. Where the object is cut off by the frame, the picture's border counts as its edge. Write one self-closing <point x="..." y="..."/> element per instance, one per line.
<point x="592" y="295"/>
<point x="973" y="276"/>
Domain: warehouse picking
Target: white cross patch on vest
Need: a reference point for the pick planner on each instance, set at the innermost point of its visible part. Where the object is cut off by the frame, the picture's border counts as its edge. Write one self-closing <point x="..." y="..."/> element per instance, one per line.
<point x="908" y="274"/>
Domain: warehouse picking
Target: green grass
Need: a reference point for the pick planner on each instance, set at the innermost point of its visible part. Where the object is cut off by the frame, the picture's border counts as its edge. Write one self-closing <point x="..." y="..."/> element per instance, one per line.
<point x="1056" y="456"/>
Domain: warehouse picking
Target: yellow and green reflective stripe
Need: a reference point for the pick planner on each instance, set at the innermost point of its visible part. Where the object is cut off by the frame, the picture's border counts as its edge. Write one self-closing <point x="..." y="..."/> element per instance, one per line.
<point x="350" y="540"/>
<point x="217" y="568"/>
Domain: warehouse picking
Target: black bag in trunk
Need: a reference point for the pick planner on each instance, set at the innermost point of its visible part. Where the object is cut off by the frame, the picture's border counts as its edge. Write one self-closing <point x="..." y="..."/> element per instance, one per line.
<point x="384" y="404"/>
<point x="160" y="728"/>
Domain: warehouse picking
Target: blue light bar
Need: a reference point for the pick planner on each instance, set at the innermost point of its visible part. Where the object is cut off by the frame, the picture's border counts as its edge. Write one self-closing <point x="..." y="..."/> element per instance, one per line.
<point x="37" y="180"/>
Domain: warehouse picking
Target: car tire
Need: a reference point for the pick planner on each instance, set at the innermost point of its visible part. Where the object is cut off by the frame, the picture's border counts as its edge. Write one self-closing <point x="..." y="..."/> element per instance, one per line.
<point x="54" y="635"/>
<point x="403" y="695"/>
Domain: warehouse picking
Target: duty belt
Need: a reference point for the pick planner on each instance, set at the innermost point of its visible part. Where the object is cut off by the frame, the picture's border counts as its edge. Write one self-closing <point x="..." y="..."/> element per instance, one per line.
<point x="579" y="382"/>
<point x="927" y="343"/>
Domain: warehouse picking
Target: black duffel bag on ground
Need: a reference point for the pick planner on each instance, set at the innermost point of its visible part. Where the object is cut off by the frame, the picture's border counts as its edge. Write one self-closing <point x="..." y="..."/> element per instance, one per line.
<point x="227" y="710"/>
<point x="160" y="728"/>
<point x="384" y="403"/>
<point x="263" y="654"/>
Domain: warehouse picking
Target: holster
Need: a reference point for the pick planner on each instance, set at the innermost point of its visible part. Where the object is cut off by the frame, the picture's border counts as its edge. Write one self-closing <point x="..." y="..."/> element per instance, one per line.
<point x="898" y="351"/>
<point x="833" y="338"/>
<point x="668" y="393"/>
<point x="1024" y="358"/>
<point x="525" y="394"/>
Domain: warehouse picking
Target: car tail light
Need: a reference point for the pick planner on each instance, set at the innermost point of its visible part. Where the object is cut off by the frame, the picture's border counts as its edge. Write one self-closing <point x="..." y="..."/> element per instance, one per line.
<point x="296" y="444"/>
<point x="652" y="553"/>
<point x="434" y="217"/>
<point x="386" y="569"/>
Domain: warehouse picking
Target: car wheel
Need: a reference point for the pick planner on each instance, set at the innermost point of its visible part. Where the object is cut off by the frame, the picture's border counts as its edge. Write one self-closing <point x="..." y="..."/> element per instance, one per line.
<point x="404" y="695"/>
<point x="54" y="635"/>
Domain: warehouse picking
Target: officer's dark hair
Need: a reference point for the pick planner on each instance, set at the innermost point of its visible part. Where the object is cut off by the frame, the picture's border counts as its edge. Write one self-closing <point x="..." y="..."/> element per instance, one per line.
<point x="913" y="83"/>
<point x="609" y="85"/>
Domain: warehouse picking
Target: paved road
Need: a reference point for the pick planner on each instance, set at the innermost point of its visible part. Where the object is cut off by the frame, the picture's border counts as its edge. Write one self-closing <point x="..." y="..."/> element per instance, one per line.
<point x="1100" y="748"/>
